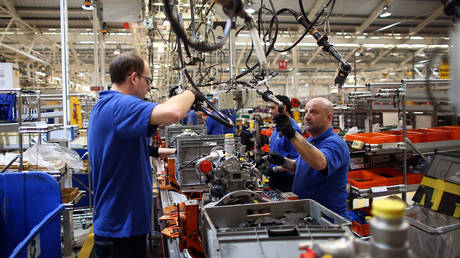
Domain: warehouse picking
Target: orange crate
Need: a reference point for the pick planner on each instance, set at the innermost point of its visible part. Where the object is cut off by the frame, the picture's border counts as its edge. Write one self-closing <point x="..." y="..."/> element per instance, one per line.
<point x="365" y="179"/>
<point x="371" y="138"/>
<point x="454" y="131"/>
<point x="395" y="177"/>
<point x="414" y="137"/>
<point x="362" y="229"/>
<point x="433" y="135"/>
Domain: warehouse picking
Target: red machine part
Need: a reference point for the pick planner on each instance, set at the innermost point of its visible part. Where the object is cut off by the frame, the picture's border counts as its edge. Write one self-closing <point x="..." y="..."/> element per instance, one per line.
<point x="309" y="253"/>
<point x="206" y="166"/>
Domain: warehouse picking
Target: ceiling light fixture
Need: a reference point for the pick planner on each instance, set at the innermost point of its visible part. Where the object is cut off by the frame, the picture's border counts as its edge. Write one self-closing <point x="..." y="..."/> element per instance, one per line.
<point x="385" y="12"/>
<point x="250" y="10"/>
<point x="87" y="5"/>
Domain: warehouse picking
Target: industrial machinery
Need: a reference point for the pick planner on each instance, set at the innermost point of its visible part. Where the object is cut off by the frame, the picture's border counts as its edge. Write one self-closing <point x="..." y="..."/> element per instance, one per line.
<point x="224" y="172"/>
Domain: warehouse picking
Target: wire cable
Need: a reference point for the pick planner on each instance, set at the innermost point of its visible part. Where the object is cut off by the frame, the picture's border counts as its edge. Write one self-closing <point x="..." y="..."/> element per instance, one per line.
<point x="201" y="46"/>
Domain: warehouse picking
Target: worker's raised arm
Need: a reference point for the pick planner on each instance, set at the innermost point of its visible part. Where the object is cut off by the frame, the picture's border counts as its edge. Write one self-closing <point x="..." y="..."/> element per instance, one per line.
<point x="173" y="109"/>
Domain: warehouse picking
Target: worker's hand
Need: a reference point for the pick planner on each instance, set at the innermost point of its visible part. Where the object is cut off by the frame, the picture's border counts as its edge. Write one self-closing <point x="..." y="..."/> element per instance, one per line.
<point x="271" y="171"/>
<point x="276" y="158"/>
<point x="284" y="126"/>
<point x="175" y="90"/>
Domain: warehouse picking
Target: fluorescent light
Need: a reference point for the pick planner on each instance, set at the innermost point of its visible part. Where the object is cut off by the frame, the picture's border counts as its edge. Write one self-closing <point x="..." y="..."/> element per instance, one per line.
<point x="389" y="26"/>
<point x="377" y="45"/>
<point x="375" y="37"/>
<point x="361" y="37"/>
<point x="307" y="44"/>
<point x="438" y="46"/>
<point x="40" y="73"/>
<point x="416" y="37"/>
<point x="346" y="45"/>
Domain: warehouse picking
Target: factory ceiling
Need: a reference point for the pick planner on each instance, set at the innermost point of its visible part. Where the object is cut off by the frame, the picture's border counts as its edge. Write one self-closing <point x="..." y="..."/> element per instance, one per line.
<point x="378" y="48"/>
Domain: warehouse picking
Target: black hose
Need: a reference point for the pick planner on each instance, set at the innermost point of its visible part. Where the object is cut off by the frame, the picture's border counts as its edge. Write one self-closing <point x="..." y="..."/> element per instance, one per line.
<point x="201" y="46"/>
<point x="270" y="47"/>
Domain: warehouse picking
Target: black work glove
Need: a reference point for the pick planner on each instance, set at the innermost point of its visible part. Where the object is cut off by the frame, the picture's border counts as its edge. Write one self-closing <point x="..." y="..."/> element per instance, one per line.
<point x="153" y="152"/>
<point x="275" y="158"/>
<point x="284" y="126"/>
<point x="175" y="90"/>
<point x="271" y="171"/>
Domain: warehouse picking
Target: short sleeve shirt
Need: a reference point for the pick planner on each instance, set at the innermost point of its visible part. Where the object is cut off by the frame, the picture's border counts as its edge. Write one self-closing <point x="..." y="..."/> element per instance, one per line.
<point x="327" y="187"/>
<point x="118" y="136"/>
<point x="213" y="126"/>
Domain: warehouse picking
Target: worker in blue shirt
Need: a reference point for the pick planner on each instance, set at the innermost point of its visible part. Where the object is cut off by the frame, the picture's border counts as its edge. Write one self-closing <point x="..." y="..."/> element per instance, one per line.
<point x="213" y="127"/>
<point x="120" y="125"/>
<point x="192" y="117"/>
<point x="321" y="170"/>
<point x="230" y="113"/>
<point x="280" y="178"/>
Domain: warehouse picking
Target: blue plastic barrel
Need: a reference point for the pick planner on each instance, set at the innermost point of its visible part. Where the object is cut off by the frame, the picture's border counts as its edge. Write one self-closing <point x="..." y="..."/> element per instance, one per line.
<point x="30" y="215"/>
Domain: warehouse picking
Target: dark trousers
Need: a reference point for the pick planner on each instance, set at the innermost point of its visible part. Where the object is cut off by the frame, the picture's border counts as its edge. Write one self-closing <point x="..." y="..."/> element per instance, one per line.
<point x="120" y="247"/>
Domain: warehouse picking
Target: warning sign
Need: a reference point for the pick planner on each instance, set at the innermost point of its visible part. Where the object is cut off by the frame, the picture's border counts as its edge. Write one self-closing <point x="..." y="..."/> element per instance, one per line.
<point x="282" y="64"/>
<point x="444" y="71"/>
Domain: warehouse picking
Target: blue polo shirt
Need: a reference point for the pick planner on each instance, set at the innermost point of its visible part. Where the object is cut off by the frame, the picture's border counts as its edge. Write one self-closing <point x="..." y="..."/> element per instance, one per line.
<point x="192" y="117"/>
<point x="232" y="115"/>
<point x="121" y="173"/>
<point x="328" y="187"/>
<point x="213" y="126"/>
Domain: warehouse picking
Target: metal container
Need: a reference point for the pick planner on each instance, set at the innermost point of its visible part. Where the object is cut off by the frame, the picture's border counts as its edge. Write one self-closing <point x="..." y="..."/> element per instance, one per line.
<point x="389" y="230"/>
<point x="433" y="234"/>
<point x="172" y="131"/>
<point x="189" y="150"/>
<point x="234" y="231"/>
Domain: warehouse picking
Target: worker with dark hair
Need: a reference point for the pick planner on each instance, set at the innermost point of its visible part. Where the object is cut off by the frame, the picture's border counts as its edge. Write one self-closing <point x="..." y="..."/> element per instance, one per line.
<point x="280" y="178"/>
<point x="120" y="125"/>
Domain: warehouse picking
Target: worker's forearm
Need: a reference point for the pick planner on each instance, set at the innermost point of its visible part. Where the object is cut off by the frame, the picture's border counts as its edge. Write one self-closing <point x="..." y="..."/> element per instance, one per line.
<point x="183" y="102"/>
<point x="173" y="109"/>
<point x="309" y="153"/>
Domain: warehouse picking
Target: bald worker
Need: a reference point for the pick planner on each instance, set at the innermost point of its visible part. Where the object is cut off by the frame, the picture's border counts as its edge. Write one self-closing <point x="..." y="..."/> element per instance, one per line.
<point x="321" y="171"/>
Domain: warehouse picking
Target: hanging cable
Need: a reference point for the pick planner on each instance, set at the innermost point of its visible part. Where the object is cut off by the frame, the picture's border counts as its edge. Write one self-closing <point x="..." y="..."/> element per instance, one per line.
<point x="201" y="46"/>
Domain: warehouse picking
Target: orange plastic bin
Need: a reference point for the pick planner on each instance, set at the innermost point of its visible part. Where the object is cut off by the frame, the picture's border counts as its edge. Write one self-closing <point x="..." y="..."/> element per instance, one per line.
<point x="454" y="131"/>
<point x="433" y="135"/>
<point x="414" y="137"/>
<point x="371" y="138"/>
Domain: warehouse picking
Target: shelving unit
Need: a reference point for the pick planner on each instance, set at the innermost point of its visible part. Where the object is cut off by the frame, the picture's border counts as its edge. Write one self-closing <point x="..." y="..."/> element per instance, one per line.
<point x="399" y="93"/>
